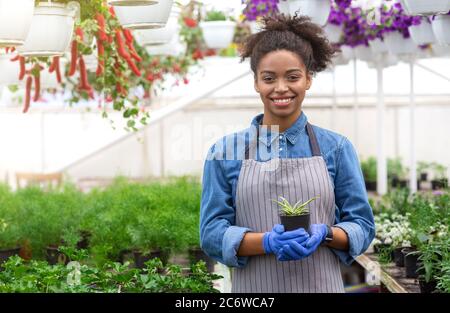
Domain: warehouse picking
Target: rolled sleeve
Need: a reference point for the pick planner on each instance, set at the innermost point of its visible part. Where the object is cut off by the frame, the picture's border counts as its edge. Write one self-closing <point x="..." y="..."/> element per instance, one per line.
<point x="354" y="214"/>
<point x="230" y="246"/>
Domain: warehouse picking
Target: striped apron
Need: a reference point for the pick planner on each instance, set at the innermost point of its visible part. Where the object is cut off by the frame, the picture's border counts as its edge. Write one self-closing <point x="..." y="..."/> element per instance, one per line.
<point x="295" y="179"/>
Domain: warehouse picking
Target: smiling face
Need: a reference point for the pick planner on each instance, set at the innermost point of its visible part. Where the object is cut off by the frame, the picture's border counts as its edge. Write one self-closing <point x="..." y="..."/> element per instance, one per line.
<point x="282" y="80"/>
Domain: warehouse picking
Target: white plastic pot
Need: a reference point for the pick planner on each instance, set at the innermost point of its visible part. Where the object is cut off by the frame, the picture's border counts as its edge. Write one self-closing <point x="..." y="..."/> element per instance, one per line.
<point x="348" y="52"/>
<point x="218" y="34"/>
<point x="441" y="29"/>
<point x="425" y="7"/>
<point x="317" y="10"/>
<point x="132" y="2"/>
<point x="9" y="71"/>
<point x="51" y="30"/>
<point x="174" y="48"/>
<point x="255" y="27"/>
<point x="333" y="32"/>
<point x="363" y="53"/>
<point x="283" y="7"/>
<point x="148" y="37"/>
<point x="144" y="17"/>
<point x="440" y="51"/>
<point x="15" y="21"/>
<point x="378" y="46"/>
<point x="397" y="44"/>
<point x="422" y="34"/>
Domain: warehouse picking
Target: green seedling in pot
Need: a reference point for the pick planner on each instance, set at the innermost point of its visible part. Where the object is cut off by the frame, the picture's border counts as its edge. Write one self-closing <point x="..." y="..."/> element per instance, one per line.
<point x="294" y="210"/>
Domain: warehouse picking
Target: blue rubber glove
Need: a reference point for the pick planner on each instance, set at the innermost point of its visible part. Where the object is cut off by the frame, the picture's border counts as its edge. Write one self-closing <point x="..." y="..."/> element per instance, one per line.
<point x="295" y="251"/>
<point x="274" y="240"/>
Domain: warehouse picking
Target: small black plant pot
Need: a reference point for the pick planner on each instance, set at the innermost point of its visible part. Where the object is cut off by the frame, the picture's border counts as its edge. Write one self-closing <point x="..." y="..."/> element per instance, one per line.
<point x="423" y="176"/>
<point x="398" y="257"/>
<point x="7" y="253"/>
<point x="197" y="254"/>
<point x="55" y="257"/>
<point x="371" y="185"/>
<point x="439" y="184"/>
<point x="295" y="222"/>
<point x="140" y="258"/>
<point x="427" y="287"/>
<point x="411" y="262"/>
<point x="84" y="241"/>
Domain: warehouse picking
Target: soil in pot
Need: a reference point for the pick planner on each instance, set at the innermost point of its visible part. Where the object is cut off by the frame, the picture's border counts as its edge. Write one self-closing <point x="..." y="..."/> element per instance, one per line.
<point x="197" y="254"/>
<point x="55" y="257"/>
<point x="411" y="262"/>
<point x="398" y="257"/>
<point x="140" y="258"/>
<point x="423" y="176"/>
<point x="7" y="253"/>
<point x="427" y="287"/>
<point x="371" y="185"/>
<point x="295" y="222"/>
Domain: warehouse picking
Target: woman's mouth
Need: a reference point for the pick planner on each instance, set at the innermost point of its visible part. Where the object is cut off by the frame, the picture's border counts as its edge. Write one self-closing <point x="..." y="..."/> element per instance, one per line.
<point x="282" y="102"/>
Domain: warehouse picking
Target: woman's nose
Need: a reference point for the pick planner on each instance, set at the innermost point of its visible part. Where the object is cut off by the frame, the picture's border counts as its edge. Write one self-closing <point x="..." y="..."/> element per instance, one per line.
<point x="281" y="86"/>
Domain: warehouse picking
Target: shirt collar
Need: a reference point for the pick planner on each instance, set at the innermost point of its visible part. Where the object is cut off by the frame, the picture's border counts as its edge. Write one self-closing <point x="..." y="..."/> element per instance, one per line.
<point x="291" y="133"/>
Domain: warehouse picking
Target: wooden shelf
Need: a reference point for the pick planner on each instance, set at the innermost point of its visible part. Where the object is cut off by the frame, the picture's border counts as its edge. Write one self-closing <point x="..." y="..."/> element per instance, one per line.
<point x="389" y="275"/>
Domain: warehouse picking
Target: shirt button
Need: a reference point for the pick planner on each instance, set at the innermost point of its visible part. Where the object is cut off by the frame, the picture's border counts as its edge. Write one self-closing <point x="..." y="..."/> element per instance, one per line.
<point x="281" y="149"/>
<point x="281" y="137"/>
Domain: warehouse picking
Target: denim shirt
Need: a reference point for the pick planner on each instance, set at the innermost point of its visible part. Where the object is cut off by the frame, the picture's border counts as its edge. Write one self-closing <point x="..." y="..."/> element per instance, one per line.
<point x="220" y="237"/>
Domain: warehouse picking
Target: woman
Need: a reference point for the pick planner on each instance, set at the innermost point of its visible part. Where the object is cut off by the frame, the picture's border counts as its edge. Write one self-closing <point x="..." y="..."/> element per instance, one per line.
<point x="239" y="223"/>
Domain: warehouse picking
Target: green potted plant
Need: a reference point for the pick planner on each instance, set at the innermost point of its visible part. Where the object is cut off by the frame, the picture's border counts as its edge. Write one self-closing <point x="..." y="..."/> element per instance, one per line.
<point x="369" y="170"/>
<point x="10" y="235"/>
<point x="422" y="170"/>
<point x="396" y="173"/>
<point x="218" y="29"/>
<point x="294" y="216"/>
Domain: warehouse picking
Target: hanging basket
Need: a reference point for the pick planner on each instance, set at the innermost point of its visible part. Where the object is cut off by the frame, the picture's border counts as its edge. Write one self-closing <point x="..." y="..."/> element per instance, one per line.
<point x="317" y="10"/>
<point x="441" y="29"/>
<point x="283" y="7"/>
<point x="9" y="71"/>
<point x="422" y="34"/>
<point x="144" y="17"/>
<point x="426" y="7"/>
<point x="348" y="52"/>
<point x="218" y="34"/>
<point x="363" y="53"/>
<point x="51" y="30"/>
<point x="378" y="46"/>
<point x="397" y="44"/>
<point x="149" y="37"/>
<point x="440" y="51"/>
<point x="333" y="32"/>
<point x="132" y="2"/>
<point x="174" y="48"/>
<point x="15" y="21"/>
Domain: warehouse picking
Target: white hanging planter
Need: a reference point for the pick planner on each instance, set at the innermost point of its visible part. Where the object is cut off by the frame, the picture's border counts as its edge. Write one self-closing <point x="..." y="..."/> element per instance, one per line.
<point x="348" y="52"/>
<point x="397" y="44"/>
<point x="425" y="7"/>
<point x="132" y="2"/>
<point x="51" y="30"/>
<point x="255" y="27"/>
<point x="173" y="48"/>
<point x="144" y="17"/>
<point x="283" y="7"/>
<point x="422" y="34"/>
<point x="148" y="37"/>
<point x="441" y="29"/>
<point x="218" y="34"/>
<point x="333" y="32"/>
<point x="9" y="71"/>
<point x="378" y="46"/>
<point x="363" y="53"/>
<point x="15" y="21"/>
<point x="317" y="10"/>
<point x="440" y="51"/>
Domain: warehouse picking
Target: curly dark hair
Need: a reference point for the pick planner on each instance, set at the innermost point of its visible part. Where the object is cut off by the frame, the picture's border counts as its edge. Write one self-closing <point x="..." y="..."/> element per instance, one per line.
<point x="297" y="34"/>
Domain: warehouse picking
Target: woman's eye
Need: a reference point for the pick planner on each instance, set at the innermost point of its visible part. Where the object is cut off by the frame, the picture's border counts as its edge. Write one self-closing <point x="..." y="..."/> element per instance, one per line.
<point x="267" y="79"/>
<point x="293" y="77"/>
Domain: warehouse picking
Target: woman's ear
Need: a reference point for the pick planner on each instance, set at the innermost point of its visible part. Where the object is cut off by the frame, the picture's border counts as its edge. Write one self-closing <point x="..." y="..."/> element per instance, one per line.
<point x="256" y="85"/>
<point x="309" y="79"/>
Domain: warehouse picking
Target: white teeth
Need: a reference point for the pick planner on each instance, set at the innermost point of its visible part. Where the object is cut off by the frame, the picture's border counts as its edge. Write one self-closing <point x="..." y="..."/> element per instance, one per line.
<point x="282" y="100"/>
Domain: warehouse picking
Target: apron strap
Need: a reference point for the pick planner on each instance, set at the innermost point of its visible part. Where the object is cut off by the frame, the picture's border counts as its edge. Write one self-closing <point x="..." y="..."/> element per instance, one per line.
<point x="312" y="141"/>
